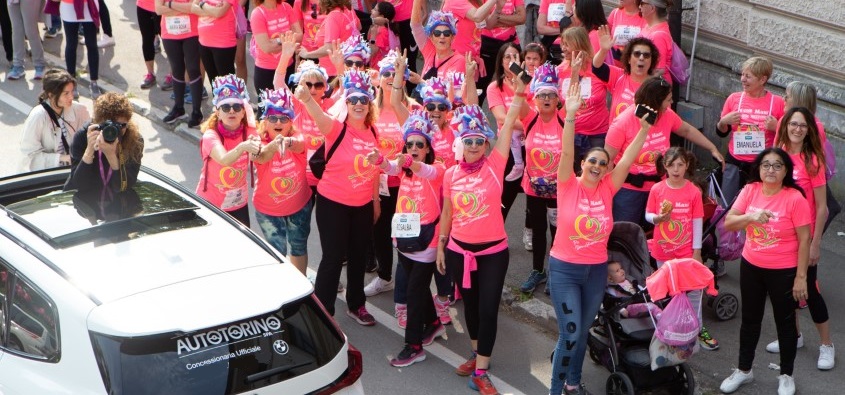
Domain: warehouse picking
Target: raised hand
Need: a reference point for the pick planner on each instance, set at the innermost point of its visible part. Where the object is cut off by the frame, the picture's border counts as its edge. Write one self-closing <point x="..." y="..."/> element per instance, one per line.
<point x="471" y="66"/>
<point x="606" y="41"/>
<point x="289" y="45"/>
<point x="573" y="100"/>
<point x="401" y="62"/>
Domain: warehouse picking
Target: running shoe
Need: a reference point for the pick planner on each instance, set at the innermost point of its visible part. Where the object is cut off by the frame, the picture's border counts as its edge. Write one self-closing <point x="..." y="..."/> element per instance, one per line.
<point x="431" y="332"/>
<point x="735" y="380"/>
<point x="408" y="356"/>
<point x="39" y="73"/>
<point x="149" y="81"/>
<point x="400" y="311"/>
<point x="174" y="115"/>
<point x="774" y="347"/>
<point x="527" y="239"/>
<point x="16" y="73"/>
<point x="534" y="279"/>
<point x="468" y="367"/>
<point x="707" y="342"/>
<point x="195" y="120"/>
<point x="362" y="316"/>
<point x="442" y="309"/>
<point x="167" y="84"/>
<point x="105" y="41"/>
<point x="95" y="90"/>
<point x="482" y="384"/>
<point x="378" y="286"/>
<point x="827" y="357"/>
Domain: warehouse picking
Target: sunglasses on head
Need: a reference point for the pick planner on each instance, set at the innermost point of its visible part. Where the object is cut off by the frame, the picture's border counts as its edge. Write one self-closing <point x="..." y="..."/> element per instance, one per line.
<point x="315" y="85"/>
<point x="313" y="11"/>
<point x="434" y="106"/>
<point x="444" y="33"/>
<point x="355" y="100"/>
<point x="546" y="96"/>
<point x="640" y="54"/>
<point x="277" y="118"/>
<point x="412" y="144"/>
<point x="478" y="141"/>
<point x="356" y="63"/>
<point x="230" y="107"/>
<point x="594" y="161"/>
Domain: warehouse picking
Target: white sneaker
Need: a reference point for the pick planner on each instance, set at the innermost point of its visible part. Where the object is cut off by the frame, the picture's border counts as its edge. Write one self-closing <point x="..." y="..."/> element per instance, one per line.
<point x="378" y="286"/>
<point x="774" y="347"/>
<point x="527" y="239"/>
<point x="786" y="385"/>
<point x="827" y="356"/>
<point x="105" y="41"/>
<point x="736" y="379"/>
<point x="516" y="172"/>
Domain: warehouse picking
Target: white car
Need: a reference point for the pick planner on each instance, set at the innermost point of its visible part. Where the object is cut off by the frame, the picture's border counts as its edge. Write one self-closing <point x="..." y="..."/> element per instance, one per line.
<point x="154" y="292"/>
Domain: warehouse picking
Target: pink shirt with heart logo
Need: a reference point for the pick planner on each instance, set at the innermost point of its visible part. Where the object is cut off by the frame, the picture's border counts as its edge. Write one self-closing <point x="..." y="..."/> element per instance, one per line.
<point x="673" y="239"/>
<point x="281" y="189"/>
<point x="348" y="178"/>
<point x="226" y="186"/>
<point x="477" y="201"/>
<point x="542" y="149"/>
<point x="584" y="221"/>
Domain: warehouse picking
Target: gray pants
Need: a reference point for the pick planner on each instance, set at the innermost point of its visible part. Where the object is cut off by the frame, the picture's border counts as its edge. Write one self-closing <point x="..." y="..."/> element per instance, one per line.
<point x="25" y="16"/>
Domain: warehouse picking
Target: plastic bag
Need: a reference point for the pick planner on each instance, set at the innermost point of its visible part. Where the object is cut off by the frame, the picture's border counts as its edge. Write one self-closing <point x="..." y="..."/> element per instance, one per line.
<point x="663" y="355"/>
<point x="729" y="242"/>
<point x="678" y="325"/>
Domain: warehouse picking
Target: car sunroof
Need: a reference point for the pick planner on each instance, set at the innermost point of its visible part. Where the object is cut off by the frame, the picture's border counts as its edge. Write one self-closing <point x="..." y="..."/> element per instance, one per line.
<point x="69" y="218"/>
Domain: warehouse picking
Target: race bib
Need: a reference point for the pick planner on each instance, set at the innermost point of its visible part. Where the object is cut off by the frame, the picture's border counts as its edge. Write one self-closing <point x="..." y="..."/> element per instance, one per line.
<point x="623" y="34"/>
<point x="382" y="185"/>
<point x="585" y="85"/>
<point x="405" y="225"/>
<point x="556" y="12"/>
<point x="177" y="25"/>
<point x="749" y="142"/>
<point x="551" y="215"/>
<point x="234" y="198"/>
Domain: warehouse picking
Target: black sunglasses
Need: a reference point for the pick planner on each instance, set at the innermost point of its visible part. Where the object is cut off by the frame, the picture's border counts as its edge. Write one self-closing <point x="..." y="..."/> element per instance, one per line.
<point x="313" y="11"/>
<point x="411" y="144"/>
<point x="594" y="161"/>
<point x="229" y="107"/>
<point x="440" y="107"/>
<point x="354" y="100"/>
<point x="479" y="141"/>
<point x="444" y="33"/>
<point x="644" y="55"/>
<point x="356" y="63"/>
<point x="277" y="118"/>
<point x="388" y="74"/>
<point x="315" y="85"/>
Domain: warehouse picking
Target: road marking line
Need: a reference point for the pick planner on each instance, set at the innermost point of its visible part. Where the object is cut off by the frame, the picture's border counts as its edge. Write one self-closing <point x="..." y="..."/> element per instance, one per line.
<point x="18" y="105"/>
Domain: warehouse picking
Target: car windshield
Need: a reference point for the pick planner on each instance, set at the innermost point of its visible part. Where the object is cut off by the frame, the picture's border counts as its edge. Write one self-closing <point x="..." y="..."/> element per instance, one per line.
<point x="232" y="358"/>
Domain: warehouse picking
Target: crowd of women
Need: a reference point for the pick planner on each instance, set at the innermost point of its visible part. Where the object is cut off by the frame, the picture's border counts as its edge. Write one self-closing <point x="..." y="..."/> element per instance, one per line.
<point x="391" y="158"/>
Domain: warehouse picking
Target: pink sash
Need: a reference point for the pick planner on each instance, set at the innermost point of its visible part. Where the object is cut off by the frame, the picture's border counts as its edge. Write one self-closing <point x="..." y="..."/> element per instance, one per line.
<point x="470" y="264"/>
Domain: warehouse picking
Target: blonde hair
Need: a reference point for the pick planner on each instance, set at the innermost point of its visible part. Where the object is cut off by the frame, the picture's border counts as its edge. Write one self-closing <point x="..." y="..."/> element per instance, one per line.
<point x="759" y="66"/>
<point x="581" y="41"/>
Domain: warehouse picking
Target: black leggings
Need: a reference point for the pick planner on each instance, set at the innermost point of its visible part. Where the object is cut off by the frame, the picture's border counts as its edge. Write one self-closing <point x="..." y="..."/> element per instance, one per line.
<point x="420" y="304"/>
<point x="406" y="41"/>
<point x="481" y="300"/>
<point x="510" y="190"/>
<point x="815" y="301"/>
<point x="183" y="55"/>
<point x="90" y="32"/>
<point x="6" y="29"/>
<point x="217" y="61"/>
<point x="105" y="20"/>
<point x="263" y="78"/>
<point x="345" y="231"/>
<point x="382" y="243"/>
<point x="538" y="221"/>
<point x="756" y="284"/>
<point x="149" y="23"/>
<point x="241" y="214"/>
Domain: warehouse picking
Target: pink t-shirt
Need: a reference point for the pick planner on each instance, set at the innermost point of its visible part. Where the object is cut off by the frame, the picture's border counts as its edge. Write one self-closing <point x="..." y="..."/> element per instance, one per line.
<point x="348" y="178"/>
<point x="339" y="24"/>
<point x="179" y="27"/>
<point x="584" y="221"/>
<point x="554" y="10"/>
<point x="456" y="62"/>
<point x="390" y="139"/>
<point x="499" y="97"/>
<point x="625" y="128"/>
<point x="624" y="26"/>
<point x="808" y="183"/>
<point x="661" y="37"/>
<point x="403" y="9"/>
<point x="218" y="32"/>
<point x="420" y="195"/>
<point x="468" y="38"/>
<point x="442" y="144"/>
<point x="505" y="33"/>
<point x="227" y="185"/>
<point x="477" y="200"/>
<point x="753" y="113"/>
<point x="542" y="150"/>
<point x="773" y="245"/>
<point x="273" y="23"/>
<point x="312" y="137"/>
<point x="310" y="26"/>
<point x="622" y="89"/>
<point x="281" y="189"/>
<point x="592" y="118"/>
<point x="673" y="239"/>
<point x="149" y="5"/>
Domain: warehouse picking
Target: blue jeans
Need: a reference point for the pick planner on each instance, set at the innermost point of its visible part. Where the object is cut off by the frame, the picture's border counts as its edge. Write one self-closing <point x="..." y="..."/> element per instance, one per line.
<point x="293" y="229"/>
<point x="576" y="292"/>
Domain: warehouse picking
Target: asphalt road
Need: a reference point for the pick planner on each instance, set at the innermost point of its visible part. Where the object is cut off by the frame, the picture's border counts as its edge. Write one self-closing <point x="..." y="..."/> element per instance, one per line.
<point x="521" y="358"/>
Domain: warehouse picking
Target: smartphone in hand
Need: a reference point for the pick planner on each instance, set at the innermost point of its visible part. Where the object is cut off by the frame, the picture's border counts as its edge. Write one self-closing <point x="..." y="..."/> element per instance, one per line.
<point x="643" y="110"/>
<point x="517" y="70"/>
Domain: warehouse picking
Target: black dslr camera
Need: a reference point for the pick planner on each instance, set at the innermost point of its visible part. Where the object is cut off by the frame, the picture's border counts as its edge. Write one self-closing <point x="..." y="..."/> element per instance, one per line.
<point x="110" y="130"/>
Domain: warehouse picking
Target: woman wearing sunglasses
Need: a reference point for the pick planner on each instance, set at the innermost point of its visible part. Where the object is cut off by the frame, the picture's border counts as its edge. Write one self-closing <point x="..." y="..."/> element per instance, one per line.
<point x="341" y="23"/>
<point x="655" y="93"/>
<point x="269" y="21"/>
<point x="656" y="14"/>
<point x="436" y="40"/>
<point x="355" y="54"/>
<point x="471" y="17"/>
<point x="419" y="201"/>
<point x="472" y="242"/>
<point x="347" y="194"/>
<point x="578" y="258"/>
<point x="638" y="59"/>
<point x="226" y="145"/>
<point x="282" y="198"/>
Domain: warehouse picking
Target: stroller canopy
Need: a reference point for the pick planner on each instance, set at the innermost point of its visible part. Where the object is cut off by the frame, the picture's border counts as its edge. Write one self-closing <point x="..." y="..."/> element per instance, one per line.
<point x="627" y="245"/>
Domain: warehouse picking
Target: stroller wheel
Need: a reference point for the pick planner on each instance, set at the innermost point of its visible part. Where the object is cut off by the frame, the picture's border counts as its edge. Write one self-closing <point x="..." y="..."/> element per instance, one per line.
<point x="619" y="384"/>
<point x="725" y="306"/>
<point x="686" y="380"/>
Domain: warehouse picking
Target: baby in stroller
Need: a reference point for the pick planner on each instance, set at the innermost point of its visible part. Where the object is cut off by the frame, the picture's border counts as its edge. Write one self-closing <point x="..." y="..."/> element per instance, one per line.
<point x="619" y="287"/>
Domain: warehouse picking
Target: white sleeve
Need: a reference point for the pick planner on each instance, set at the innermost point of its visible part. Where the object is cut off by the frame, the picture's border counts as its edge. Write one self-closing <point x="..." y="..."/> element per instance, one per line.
<point x="697" y="224"/>
<point x="650" y="217"/>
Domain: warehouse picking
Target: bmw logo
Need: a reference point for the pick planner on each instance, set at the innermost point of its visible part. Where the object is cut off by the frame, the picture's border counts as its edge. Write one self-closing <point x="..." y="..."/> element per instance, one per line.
<point x="280" y="347"/>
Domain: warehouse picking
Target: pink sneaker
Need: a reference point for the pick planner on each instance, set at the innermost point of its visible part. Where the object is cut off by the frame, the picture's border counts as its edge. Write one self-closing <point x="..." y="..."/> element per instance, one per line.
<point x="442" y="308"/>
<point x="401" y="314"/>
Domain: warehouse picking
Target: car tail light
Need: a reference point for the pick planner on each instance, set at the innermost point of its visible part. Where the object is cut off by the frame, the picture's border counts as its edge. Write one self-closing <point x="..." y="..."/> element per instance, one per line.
<point x="350" y="376"/>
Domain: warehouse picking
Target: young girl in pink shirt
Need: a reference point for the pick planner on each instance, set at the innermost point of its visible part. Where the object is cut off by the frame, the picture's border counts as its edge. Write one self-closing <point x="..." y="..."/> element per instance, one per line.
<point x="282" y="198"/>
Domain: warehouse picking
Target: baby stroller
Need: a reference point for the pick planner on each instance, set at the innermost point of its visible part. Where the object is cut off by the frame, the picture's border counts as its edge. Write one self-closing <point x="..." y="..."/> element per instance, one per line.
<point x="726" y="305"/>
<point x="621" y="344"/>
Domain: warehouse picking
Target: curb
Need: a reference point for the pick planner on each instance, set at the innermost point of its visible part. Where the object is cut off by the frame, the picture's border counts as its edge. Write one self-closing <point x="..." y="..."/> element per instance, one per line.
<point x="141" y="107"/>
<point x="533" y="309"/>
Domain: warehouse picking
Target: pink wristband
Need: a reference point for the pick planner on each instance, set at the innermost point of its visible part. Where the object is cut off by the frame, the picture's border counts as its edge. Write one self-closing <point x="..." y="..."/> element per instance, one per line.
<point x="409" y="160"/>
<point x="380" y="160"/>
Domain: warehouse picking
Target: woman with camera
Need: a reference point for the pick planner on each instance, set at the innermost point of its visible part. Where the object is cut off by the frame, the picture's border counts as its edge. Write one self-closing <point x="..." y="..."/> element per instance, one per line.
<point x="49" y="127"/>
<point x="106" y="156"/>
<point x="655" y="93"/>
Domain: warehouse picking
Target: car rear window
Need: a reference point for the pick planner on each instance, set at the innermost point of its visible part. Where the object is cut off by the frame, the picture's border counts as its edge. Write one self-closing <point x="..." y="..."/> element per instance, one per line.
<point x="227" y="359"/>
